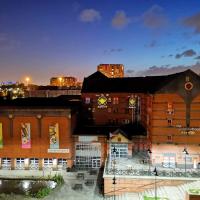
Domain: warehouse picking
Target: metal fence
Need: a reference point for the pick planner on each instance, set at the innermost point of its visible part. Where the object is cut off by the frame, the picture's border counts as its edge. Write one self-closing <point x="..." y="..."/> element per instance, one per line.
<point x="161" y="173"/>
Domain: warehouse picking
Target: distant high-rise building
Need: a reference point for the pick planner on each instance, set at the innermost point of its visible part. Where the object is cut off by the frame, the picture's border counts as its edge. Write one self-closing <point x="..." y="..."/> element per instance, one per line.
<point x="67" y="81"/>
<point x="111" y="70"/>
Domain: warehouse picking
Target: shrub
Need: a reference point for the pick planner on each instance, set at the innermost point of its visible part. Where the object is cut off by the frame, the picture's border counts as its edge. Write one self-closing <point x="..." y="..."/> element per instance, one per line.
<point x="42" y="193"/>
<point x="58" y="179"/>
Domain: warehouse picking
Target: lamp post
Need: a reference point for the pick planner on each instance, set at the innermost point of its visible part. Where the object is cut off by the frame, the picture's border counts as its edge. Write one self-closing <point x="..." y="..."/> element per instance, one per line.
<point x="149" y="155"/>
<point x="186" y="153"/>
<point x="114" y="178"/>
<point x="27" y="81"/>
<point x="155" y="174"/>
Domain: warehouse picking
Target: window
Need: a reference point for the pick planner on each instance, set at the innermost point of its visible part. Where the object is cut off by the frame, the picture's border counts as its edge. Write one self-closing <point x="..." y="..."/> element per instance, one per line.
<point x="126" y="121"/>
<point x="115" y="110"/>
<point x="87" y="100"/>
<point x="6" y="163"/>
<point x="48" y="163"/>
<point x="115" y="100"/>
<point x="62" y="163"/>
<point x="34" y="163"/>
<point x="170" y="109"/>
<point x="169" y="138"/>
<point x="169" y="121"/>
<point x="88" y="155"/>
<point x="121" y="150"/>
<point x="20" y="163"/>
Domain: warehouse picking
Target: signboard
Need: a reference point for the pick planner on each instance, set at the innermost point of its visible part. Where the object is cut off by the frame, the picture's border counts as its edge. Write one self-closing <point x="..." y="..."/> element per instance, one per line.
<point x="189" y="130"/>
<point x="1" y="136"/>
<point x="102" y="101"/>
<point x="87" y="138"/>
<point x="54" y="136"/>
<point x="58" y="150"/>
<point x="132" y="102"/>
<point x="26" y="135"/>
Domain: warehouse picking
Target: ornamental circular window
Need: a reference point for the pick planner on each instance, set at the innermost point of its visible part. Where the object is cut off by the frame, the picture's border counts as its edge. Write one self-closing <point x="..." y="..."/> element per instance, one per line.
<point x="188" y="86"/>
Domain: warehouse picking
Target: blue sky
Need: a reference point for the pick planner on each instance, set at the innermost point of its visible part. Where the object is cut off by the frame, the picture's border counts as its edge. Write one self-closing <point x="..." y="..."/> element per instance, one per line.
<point x="45" y="38"/>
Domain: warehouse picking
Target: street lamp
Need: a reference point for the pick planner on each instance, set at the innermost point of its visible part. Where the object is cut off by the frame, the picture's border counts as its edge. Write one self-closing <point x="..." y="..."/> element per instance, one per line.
<point x="155" y="174"/>
<point x="186" y="153"/>
<point x="60" y="80"/>
<point x="27" y="79"/>
<point x="149" y="154"/>
<point x="114" y="178"/>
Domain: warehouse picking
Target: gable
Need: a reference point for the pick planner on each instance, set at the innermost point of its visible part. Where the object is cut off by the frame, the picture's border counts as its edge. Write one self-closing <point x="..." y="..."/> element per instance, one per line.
<point x="186" y="84"/>
<point x="119" y="137"/>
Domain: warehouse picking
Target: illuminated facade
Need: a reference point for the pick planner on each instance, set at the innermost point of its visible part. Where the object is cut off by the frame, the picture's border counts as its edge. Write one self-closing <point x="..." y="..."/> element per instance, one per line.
<point x="67" y="81"/>
<point x="132" y="114"/>
<point x="167" y="107"/>
<point x="111" y="70"/>
<point x="36" y="133"/>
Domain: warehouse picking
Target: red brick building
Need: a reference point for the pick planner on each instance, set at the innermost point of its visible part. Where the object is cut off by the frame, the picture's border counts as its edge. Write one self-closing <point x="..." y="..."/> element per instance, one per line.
<point x="36" y="133"/>
<point x="167" y="107"/>
<point x="132" y="114"/>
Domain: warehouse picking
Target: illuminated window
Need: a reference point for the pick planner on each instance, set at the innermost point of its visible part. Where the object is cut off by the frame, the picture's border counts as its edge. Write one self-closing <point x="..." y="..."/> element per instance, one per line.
<point x="87" y="100"/>
<point x="115" y="100"/>
<point x="126" y="121"/>
<point x="109" y="99"/>
<point x="170" y="109"/>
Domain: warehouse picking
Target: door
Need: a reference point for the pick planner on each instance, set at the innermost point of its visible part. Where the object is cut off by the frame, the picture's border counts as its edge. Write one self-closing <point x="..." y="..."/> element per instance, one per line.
<point x="169" y="162"/>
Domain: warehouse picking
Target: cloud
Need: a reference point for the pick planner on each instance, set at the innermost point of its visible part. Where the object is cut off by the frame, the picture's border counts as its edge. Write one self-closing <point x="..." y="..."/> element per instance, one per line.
<point x="152" y="44"/>
<point x="193" y="22"/>
<point x="120" y="20"/>
<point x="163" y="70"/>
<point x="113" y="50"/>
<point x="187" y="53"/>
<point x="170" y="55"/>
<point x="154" y="17"/>
<point x="198" y="58"/>
<point x="89" y="15"/>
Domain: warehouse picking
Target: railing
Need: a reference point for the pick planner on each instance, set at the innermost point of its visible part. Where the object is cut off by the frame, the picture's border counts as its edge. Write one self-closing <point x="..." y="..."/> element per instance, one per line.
<point x="161" y="173"/>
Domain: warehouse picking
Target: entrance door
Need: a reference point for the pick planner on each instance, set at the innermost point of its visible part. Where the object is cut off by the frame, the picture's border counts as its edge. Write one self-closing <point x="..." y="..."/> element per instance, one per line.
<point x="169" y="162"/>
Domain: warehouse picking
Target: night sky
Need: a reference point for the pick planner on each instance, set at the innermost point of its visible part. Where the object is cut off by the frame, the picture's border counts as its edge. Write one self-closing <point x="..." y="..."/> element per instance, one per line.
<point x="45" y="38"/>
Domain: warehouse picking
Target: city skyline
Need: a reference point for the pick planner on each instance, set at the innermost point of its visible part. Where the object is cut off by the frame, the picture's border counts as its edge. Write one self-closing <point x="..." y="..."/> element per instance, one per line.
<point x="42" y="39"/>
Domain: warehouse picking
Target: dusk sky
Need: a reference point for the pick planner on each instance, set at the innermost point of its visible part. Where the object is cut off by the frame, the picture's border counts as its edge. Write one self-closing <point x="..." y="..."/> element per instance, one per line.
<point x="45" y="38"/>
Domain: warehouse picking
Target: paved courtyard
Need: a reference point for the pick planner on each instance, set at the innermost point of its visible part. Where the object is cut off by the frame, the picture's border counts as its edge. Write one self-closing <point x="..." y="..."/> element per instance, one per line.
<point x="71" y="189"/>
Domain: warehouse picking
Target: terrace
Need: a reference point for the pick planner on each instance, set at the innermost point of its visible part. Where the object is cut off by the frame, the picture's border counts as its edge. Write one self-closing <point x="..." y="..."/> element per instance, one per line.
<point x="139" y="165"/>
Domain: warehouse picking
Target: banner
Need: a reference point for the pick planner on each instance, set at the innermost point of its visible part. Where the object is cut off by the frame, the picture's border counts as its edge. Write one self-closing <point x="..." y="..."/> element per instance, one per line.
<point x="54" y="136"/>
<point x="132" y="102"/>
<point x="26" y="135"/>
<point x="1" y="136"/>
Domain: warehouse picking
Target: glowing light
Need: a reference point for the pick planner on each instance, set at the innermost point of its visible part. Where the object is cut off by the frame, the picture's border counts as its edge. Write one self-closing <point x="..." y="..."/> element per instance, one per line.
<point x="27" y="79"/>
<point x="26" y="184"/>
